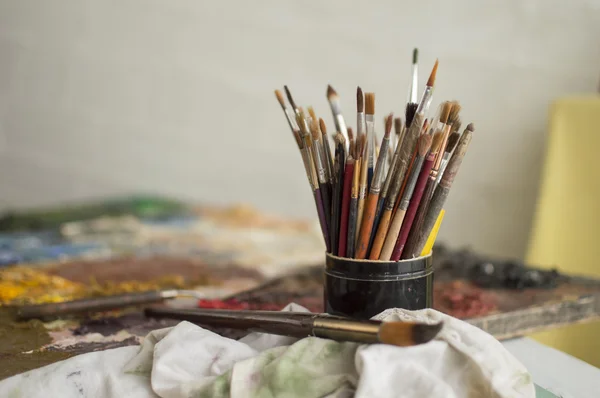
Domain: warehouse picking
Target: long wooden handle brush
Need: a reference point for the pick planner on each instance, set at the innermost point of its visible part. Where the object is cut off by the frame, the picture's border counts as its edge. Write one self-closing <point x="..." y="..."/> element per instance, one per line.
<point x="362" y="189"/>
<point x="392" y="236"/>
<point x="442" y="190"/>
<point x="324" y="185"/>
<point x="370" y="123"/>
<point x="338" y="118"/>
<point x="338" y="189"/>
<point x="416" y="198"/>
<point x="327" y="151"/>
<point x="353" y="212"/>
<point x="370" y="210"/>
<point x="346" y="195"/>
<point x="301" y="324"/>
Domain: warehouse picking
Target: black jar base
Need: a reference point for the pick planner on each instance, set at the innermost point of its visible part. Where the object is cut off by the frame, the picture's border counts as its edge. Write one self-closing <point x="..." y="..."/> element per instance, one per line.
<point x="361" y="289"/>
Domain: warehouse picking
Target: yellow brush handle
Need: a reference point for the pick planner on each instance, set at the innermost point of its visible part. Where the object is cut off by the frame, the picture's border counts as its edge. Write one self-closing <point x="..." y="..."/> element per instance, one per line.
<point x="433" y="235"/>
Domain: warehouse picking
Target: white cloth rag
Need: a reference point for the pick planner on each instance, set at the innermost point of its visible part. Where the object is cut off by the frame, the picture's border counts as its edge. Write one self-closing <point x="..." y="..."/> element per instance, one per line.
<point x="188" y="361"/>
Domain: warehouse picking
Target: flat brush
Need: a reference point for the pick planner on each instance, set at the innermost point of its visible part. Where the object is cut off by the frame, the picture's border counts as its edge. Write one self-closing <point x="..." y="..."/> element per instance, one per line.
<point x="442" y="190"/>
<point x="370" y="123"/>
<point x="98" y="304"/>
<point x="301" y="324"/>
<point x="338" y="189"/>
<point x="392" y="236"/>
<point x="353" y="212"/>
<point x="344" y="218"/>
<point x="416" y="198"/>
<point x="404" y="155"/>
<point x="338" y="118"/>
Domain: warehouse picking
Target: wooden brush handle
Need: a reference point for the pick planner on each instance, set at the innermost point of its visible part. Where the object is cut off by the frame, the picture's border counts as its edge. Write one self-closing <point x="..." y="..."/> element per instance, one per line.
<point x="392" y="236"/>
<point x="351" y="239"/>
<point x="342" y="239"/>
<point x="384" y="224"/>
<point x="92" y="304"/>
<point x="366" y="226"/>
<point x="410" y="250"/>
<point x="376" y="221"/>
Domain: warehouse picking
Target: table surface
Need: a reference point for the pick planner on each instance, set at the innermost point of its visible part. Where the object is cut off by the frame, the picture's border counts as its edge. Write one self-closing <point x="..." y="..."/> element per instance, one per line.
<point x="555" y="371"/>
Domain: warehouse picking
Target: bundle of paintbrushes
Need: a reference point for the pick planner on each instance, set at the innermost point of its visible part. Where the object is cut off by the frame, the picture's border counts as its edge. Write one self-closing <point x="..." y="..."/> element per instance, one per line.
<point x="381" y="201"/>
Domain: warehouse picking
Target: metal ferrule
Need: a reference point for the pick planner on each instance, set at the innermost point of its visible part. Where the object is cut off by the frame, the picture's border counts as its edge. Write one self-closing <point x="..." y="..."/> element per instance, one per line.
<point x="415" y="83"/>
<point x="379" y="170"/>
<point x="344" y="330"/>
<point x="341" y="125"/>
<point x="310" y="168"/>
<point x="360" y="123"/>
<point x="445" y="161"/>
<point x="291" y="120"/>
<point x="316" y="152"/>
<point x="425" y="100"/>
<point x="370" y="122"/>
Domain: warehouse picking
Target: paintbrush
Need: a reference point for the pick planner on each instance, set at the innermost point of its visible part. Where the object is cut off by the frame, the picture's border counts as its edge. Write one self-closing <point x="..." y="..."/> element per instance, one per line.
<point x="378" y="178"/>
<point x="338" y="118"/>
<point x="450" y="145"/>
<point x="353" y="212"/>
<point x="291" y="99"/>
<point x="352" y="143"/>
<point x="348" y="178"/>
<point x="404" y="155"/>
<point x="360" y="113"/>
<point x="428" y="93"/>
<point x="98" y="304"/>
<point x="313" y="179"/>
<point x="338" y="188"/>
<point x="290" y="118"/>
<point x="452" y="118"/>
<point x="411" y="103"/>
<point x="423" y="146"/>
<point x="324" y="185"/>
<point x="370" y="123"/>
<point x="441" y="191"/>
<point x="327" y="152"/>
<point x="370" y="210"/>
<point x="362" y="189"/>
<point x="416" y="197"/>
<point x="302" y="324"/>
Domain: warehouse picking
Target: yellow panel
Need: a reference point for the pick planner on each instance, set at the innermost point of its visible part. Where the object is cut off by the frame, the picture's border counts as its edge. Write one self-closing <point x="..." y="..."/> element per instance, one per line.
<point x="565" y="229"/>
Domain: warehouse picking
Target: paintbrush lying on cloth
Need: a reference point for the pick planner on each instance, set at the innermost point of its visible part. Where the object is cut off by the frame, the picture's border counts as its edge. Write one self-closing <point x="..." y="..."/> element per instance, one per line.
<point x="302" y="324"/>
<point x="187" y="360"/>
<point x="53" y="310"/>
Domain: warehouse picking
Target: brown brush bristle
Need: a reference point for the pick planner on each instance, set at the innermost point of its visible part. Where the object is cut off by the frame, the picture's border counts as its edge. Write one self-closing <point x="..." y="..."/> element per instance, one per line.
<point x="339" y="140"/>
<point x="431" y="80"/>
<point x="314" y="130"/>
<point x="331" y="93"/>
<point x="289" y="96"/>
<point x="436" y="143"/>
<point x="456" y="125"/>
<point x="445" y="113"/>
<point x="298" y="139"/>
<point x="323" y="127"/>
<point x="280" y="99"/>
<point x="404" y="334"/>
<point x="454" y="112"/>
<point x="352" y="142"/>
<point x="470" y="127"/>
<point x="360" y="105"/>
<point x="452" y="141"/>
<point x="370" y="103"/>
<point x="424" y="144"/>
<point x="301" y="122"/>
<point x="389" y="122"/>
<point x="312" y="114"/>
<point x="398" y="125"/>
<point x="409" y="113"/>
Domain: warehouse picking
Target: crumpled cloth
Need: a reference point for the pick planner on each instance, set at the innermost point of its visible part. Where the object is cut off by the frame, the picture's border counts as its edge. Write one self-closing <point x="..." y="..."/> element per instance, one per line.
<point x="188" y="361"/>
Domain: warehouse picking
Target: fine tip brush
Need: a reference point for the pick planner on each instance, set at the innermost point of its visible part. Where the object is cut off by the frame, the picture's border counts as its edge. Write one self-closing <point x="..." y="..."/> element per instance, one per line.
<point x="360" y="113"/>
<point x="303" y="324"/>
<point x="291" y="99"/>
<point x="411" y="104"/>
<point x="338" y="118"/>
